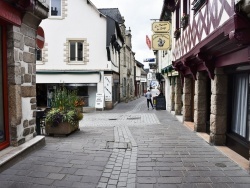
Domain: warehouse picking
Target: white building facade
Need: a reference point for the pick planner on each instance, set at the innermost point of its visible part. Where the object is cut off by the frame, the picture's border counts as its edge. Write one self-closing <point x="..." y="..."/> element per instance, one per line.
<point x="76" y="52"/>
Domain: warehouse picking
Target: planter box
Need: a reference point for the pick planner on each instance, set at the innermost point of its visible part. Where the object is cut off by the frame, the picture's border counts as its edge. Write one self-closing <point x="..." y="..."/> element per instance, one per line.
<point x="63" y="128"/>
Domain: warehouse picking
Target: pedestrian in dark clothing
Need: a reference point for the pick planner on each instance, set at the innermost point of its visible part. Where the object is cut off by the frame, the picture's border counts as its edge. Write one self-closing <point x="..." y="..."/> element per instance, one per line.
<point x="148" y="95"/>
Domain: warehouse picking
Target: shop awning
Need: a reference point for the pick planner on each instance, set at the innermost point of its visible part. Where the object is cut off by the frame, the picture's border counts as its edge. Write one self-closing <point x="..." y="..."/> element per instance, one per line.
<point x="167" y="69"/>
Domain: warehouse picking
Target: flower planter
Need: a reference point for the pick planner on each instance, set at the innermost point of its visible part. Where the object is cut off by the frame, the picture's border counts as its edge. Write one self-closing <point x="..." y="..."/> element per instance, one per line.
<point x="63" y="128"/>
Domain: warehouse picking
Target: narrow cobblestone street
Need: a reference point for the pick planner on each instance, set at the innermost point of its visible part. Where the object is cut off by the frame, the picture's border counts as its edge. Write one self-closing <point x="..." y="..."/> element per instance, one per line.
<point x="129" y="146"/>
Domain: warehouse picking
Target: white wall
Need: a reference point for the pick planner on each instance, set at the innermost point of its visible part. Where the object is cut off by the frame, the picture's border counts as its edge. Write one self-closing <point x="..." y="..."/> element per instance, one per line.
<point x="92" y="96"/>
<point x="68" y="78"/>
<point x="82" y="21"/>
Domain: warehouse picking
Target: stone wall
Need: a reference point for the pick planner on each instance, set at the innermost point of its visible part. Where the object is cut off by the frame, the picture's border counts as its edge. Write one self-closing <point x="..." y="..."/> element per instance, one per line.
<point x="178" y="96"/>
<point x="21" y="58"/>
<point x="200" y="102"/>
<point x="187" y="103"/>
<point x="218" y="117"/>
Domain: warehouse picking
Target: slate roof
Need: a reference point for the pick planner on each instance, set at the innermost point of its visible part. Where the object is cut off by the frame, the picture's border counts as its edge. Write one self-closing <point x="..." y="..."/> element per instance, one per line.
<point x="113" y="13"/>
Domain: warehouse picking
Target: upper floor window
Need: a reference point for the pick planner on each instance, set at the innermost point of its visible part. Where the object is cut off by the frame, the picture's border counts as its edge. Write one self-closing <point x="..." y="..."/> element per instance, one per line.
<point x="55" y="7"/>
<point x="38" y="55"/>
<point x="177" y="16"/>
<point x="76" y="51"/>
<point x="198" y="4"/>
<point x="186" y="7"/>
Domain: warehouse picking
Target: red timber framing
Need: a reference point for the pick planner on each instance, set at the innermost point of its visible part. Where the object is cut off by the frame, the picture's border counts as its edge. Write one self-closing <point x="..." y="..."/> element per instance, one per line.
<point x="11" y="10"/>
<point x="4" y="75"/>
<point x="226" y="45"/>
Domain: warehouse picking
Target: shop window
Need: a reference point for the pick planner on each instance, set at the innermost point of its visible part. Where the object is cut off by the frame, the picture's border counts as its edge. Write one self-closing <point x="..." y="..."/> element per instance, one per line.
<point x="55" y="8"/>
<point x="240" y="103"/>
<point x="197" y="5"/>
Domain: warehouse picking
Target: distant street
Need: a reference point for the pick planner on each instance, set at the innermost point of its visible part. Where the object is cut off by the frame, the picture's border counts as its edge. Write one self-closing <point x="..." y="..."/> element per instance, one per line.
<point x="129" y="146"/>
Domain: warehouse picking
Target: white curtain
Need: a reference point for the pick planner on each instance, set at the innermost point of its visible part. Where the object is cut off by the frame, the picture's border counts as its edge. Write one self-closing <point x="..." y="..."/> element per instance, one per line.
<point x="240" y="95"/>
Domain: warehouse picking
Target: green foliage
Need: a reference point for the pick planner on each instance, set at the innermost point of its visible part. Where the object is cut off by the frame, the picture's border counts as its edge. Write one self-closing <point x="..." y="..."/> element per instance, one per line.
<point x="64" y="99"/>
<point x="63" y="108"/>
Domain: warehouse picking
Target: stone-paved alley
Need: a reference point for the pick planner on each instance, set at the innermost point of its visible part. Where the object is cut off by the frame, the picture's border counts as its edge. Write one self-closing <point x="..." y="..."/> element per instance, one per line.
<point x="129" y="146"/>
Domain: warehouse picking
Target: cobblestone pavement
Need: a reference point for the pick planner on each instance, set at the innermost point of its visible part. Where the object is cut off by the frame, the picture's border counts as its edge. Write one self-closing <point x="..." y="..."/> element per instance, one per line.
<point x="129" y="146"/>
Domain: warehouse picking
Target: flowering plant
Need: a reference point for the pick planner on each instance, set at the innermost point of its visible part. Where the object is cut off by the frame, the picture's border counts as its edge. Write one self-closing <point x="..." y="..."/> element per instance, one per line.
<point x="79" y="102"/>
<point x="63" y="108"/>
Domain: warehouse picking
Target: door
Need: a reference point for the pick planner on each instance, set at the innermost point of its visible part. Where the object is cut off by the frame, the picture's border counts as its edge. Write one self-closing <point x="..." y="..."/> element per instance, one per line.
<point x="4" y="129"/>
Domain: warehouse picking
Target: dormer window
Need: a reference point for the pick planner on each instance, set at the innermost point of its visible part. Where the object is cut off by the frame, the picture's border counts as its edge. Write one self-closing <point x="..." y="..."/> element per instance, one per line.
<point x="198" y="4"/>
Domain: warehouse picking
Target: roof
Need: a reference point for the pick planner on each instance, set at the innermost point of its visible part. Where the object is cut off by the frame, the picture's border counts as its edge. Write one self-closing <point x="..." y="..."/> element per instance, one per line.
<point x="112" y="13"/>
<point x="113" y="19"/>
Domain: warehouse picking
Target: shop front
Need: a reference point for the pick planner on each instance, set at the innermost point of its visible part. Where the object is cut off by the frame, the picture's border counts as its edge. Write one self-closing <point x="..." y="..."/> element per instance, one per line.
<point x="238" y="136"/>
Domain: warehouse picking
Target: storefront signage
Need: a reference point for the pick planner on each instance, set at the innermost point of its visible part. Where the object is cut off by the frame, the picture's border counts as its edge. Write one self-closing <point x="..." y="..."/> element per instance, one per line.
<point x="143" y="79"/>
<point x="161" y="41"/>
<point x="99" y="101"/>
<point x="161" y="27"/>
<point x="108" y="88"/>
<point x="9" y="14"/>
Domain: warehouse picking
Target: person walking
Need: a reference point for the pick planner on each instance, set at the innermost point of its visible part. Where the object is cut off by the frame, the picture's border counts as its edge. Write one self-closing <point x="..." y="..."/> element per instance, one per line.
<point x="148" y="95"/>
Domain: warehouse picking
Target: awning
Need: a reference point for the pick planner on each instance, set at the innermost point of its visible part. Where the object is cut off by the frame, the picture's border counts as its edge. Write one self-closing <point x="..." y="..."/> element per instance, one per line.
<point x="167" y="69"/>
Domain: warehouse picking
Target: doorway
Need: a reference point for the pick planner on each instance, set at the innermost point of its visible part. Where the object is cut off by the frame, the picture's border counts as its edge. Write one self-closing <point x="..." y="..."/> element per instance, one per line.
<point x="4" y="128"/>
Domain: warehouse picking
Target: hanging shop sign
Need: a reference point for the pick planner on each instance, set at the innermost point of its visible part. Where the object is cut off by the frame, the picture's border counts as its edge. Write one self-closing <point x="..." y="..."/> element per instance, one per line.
<point x="161" y="27"/>
<point x="161" y="41"/>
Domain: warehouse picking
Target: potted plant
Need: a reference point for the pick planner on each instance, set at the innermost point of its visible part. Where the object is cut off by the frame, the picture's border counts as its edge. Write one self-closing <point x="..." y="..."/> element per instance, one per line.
<point x="79" y="103"/>
<point x="64" y="117"/>
<point x="177" y="33"/>
<point x="184" y="20"/>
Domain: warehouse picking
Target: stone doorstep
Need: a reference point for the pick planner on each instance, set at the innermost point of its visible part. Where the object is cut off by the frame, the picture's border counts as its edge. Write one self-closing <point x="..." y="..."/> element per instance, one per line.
<point x="241" y="161"/>
<point x="12" y="153"/>
<point x="88" y="109"/>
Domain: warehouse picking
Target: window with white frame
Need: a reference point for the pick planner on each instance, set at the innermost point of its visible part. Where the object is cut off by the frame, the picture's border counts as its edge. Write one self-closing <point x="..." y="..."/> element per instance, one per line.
<point x="39" y="55"/>
<point x="55" y="8"/>
<point x="76" y="51"/>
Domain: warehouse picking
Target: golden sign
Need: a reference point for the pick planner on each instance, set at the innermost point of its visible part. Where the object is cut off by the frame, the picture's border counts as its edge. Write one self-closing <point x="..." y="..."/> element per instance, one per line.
<point x="161" y="27"/>
<point x="161" y="41"/>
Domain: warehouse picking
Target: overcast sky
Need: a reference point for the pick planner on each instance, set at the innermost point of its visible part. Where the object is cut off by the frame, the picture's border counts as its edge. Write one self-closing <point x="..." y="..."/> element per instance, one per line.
<point x="138" y="15"/>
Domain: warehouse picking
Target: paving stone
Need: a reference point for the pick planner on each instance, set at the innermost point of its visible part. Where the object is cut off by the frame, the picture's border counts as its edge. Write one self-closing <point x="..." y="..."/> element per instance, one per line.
<point x="72" y="178"/>
<point x="146" y="180"/>
<point x="63" y="183"/>
<point x="112" y="182"/>
<point x="55" y="176"/>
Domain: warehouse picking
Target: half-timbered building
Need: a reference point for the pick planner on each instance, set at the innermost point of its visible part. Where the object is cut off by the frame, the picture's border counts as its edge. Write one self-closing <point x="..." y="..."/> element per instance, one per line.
<point x="211" y="52"/>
